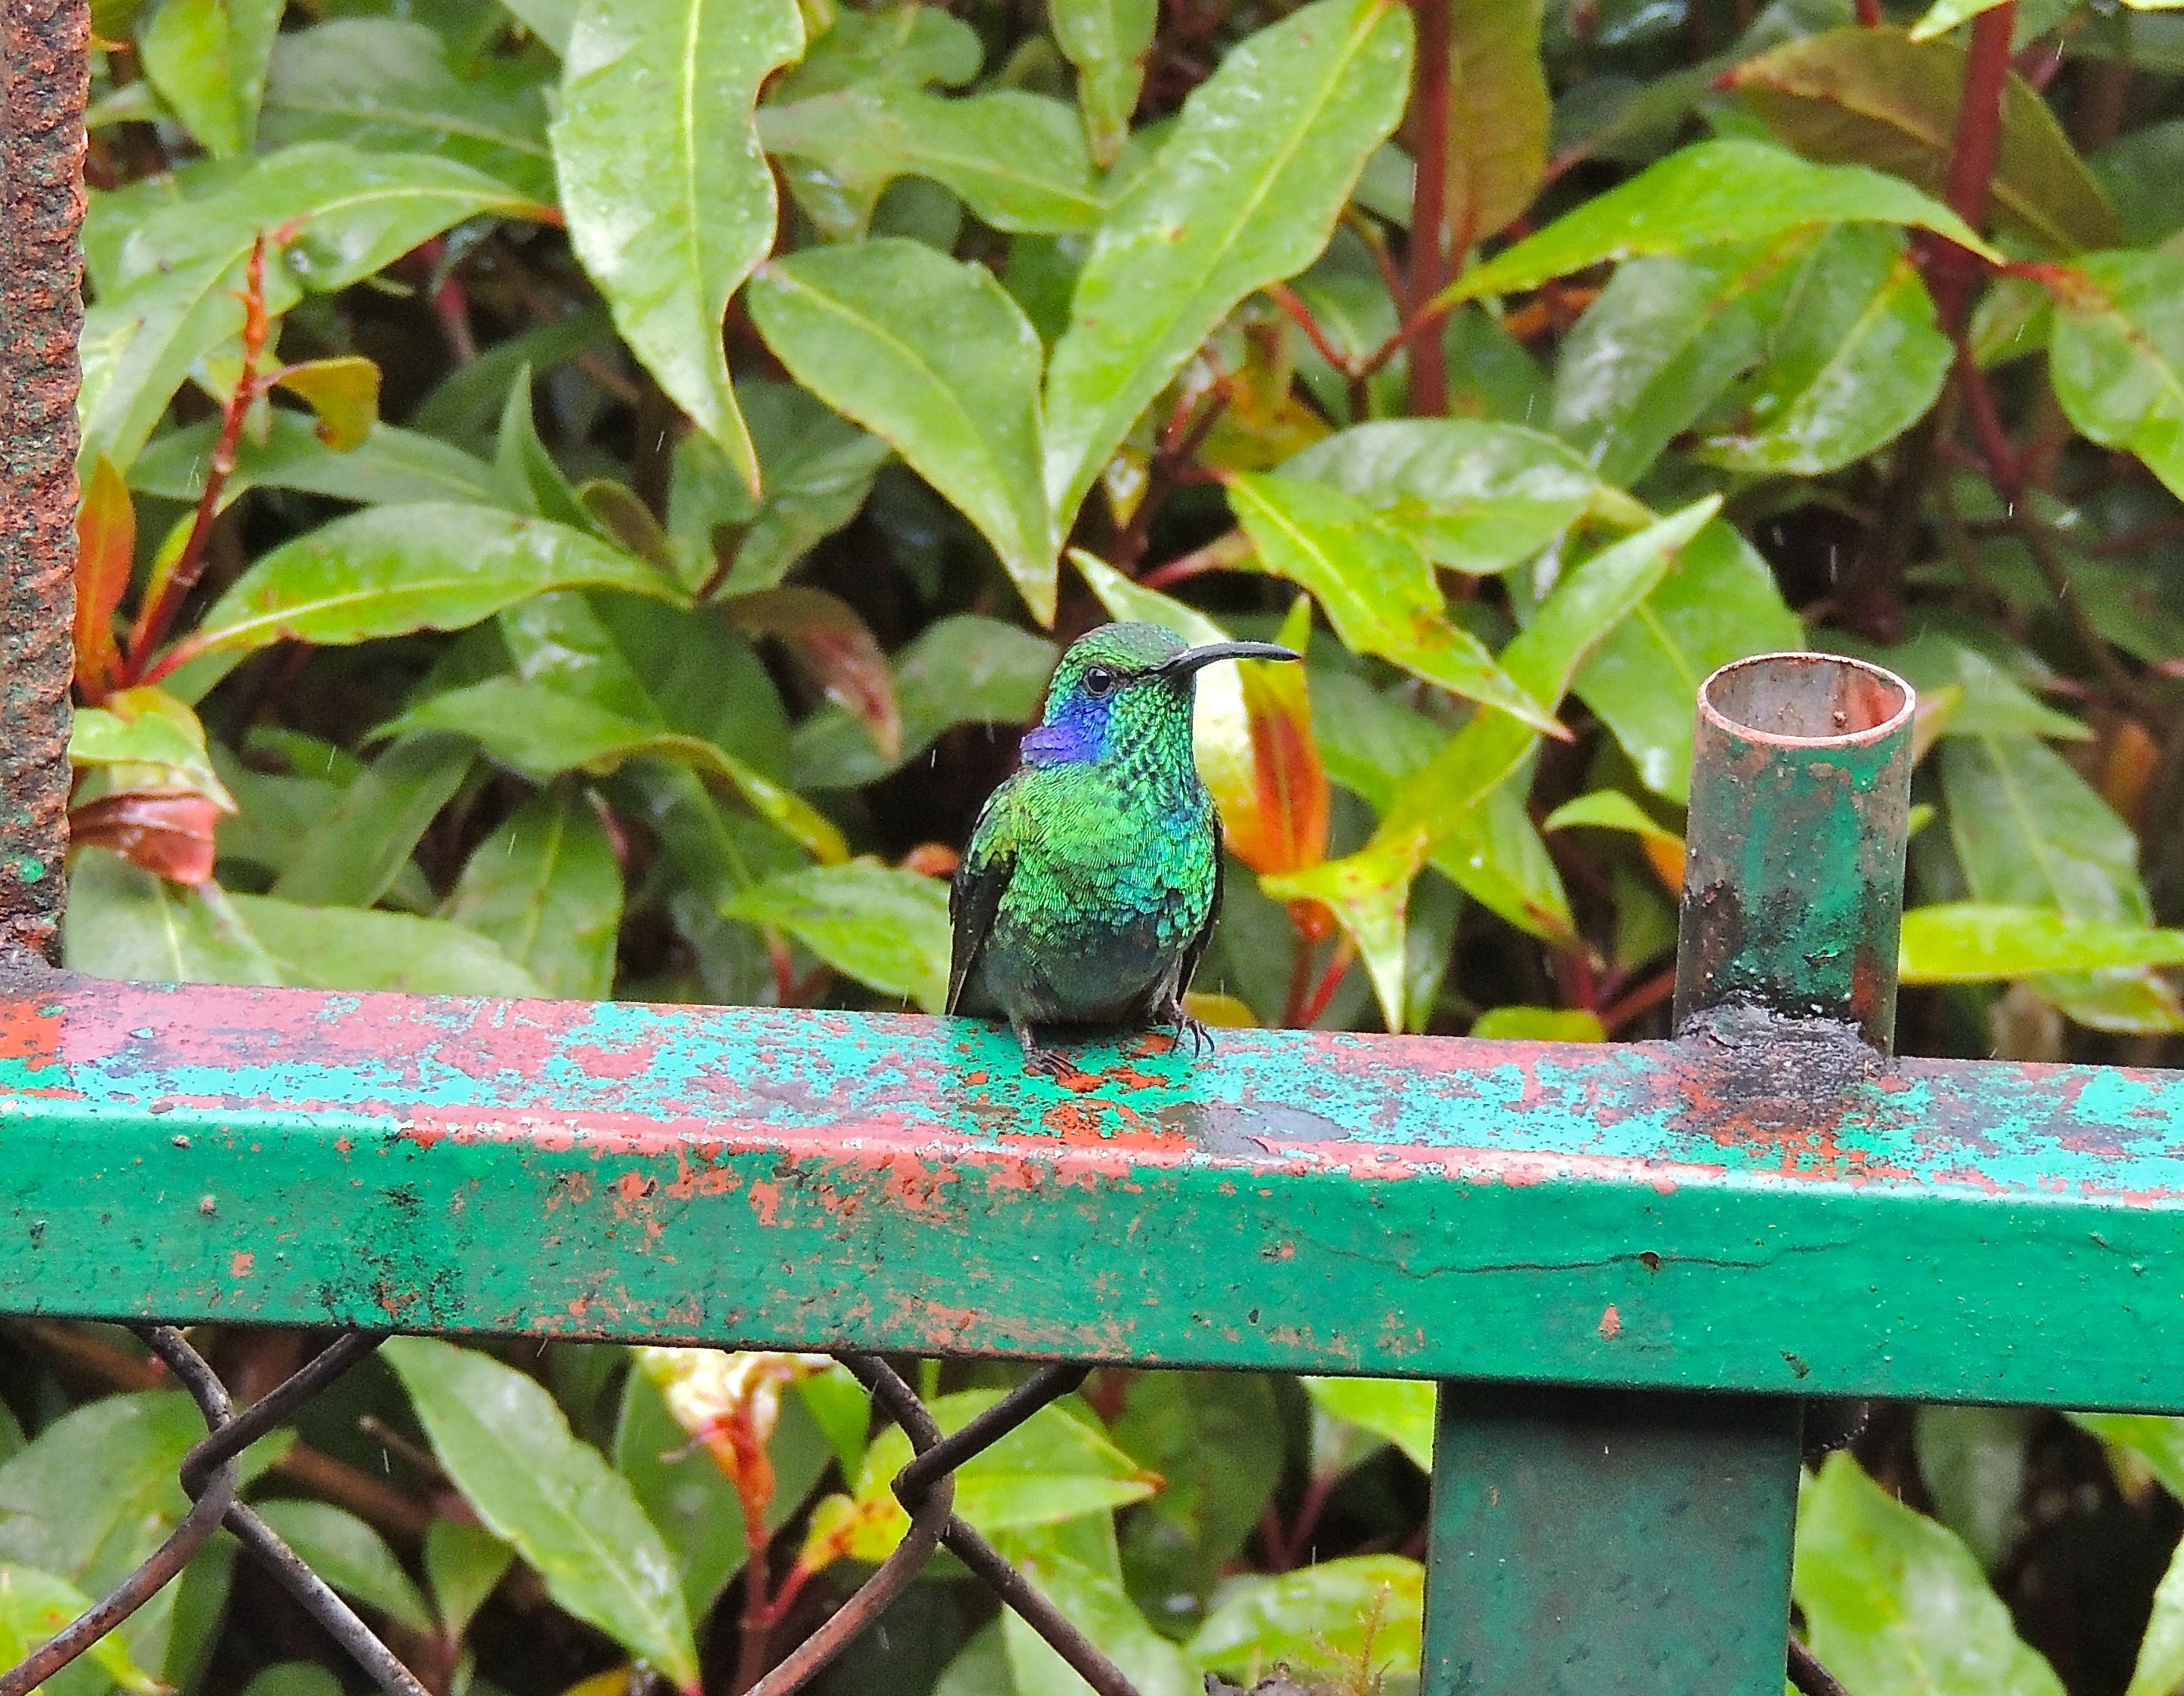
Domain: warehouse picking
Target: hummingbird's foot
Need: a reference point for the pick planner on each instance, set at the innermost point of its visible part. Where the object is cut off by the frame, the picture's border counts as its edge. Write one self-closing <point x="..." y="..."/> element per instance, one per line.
<point x="1195" y="1031"/>
<point x="1039" y="1060"/>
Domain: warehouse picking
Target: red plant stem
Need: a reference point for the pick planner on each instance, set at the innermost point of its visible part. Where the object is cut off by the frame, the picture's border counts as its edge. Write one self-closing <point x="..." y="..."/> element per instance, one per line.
<point x="157" y="617"/>
<point x="1329" y="981"/>
<point x="1952" y="270"/>
<point x="1869" y="14"/>
<point x="1300" y="985"/>
<point x="1639" y="1001"/>
<point x="1429" y="104"/>
<point x="1299" y="313"/>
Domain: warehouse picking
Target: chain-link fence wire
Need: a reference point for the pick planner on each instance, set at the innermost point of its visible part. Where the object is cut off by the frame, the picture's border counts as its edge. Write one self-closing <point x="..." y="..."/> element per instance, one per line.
<point x="926" y="1488"/>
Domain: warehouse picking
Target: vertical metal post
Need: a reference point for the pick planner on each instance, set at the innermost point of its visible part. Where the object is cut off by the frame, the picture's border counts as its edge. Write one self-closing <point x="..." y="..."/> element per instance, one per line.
<point x="43" y="79"/>
<point x="1586" y="1543"/>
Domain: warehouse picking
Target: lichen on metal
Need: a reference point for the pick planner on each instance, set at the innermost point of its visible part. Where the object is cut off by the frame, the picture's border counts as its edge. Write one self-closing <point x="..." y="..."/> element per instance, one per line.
<point x="43" y="79"/>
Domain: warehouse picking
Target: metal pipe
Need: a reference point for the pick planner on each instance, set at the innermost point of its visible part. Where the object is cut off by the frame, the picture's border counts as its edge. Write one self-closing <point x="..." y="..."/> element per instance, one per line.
<point x="1793" y="870"/>
<point x="43" y="80"/>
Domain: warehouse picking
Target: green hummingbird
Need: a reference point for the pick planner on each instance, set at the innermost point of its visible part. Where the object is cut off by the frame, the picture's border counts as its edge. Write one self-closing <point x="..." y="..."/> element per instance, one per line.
<point x="1094" y="873"/>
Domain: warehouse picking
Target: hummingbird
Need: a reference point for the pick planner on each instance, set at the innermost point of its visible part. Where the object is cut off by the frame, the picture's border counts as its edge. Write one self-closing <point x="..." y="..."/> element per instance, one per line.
<point x="1092" y="878"/>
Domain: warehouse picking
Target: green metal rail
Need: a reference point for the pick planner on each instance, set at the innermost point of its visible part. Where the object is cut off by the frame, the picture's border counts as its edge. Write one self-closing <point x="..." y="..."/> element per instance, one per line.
<point x="1624" y="1264"/>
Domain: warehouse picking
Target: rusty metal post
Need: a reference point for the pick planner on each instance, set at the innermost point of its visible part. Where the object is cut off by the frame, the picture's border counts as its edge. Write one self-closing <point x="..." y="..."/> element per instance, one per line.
<point x="1585" y="1542"/>
<point x="43" y="79"/>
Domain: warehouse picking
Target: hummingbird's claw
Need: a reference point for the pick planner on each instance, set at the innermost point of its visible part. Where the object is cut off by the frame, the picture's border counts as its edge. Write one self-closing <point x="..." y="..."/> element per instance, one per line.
<point x="1201" y="1037"/>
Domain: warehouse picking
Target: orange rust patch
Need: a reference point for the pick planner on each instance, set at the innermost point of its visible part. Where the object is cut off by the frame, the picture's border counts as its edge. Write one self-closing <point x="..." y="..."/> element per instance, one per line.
<point x="30" y="1033"/>
<point x="1611" y="1324"/>
<point x="240" y="1266"/>
<point x="766" y="1202"/>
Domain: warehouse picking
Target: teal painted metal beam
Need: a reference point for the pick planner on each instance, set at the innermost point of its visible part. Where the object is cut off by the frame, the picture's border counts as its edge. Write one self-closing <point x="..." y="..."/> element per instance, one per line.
<point x="1762" y="1207"/>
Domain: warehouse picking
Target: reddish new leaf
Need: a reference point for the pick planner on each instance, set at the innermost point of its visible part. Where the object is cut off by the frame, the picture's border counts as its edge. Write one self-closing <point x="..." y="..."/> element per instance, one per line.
<point x="169" y="833"/>
<point x="106" y="548"/>
<point x="837" y="648"/>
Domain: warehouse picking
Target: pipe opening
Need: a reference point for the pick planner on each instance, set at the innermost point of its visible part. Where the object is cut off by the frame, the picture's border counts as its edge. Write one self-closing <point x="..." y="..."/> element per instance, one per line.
<point x="1813" y="699"/>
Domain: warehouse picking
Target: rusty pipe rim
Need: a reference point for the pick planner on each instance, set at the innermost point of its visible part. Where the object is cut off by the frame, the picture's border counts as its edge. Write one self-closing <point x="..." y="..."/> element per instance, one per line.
<point x="1806" y="700"/>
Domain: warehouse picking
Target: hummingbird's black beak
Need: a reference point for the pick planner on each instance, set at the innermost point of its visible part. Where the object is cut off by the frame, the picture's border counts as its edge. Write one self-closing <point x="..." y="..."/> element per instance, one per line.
<point x="1191" y="660"/>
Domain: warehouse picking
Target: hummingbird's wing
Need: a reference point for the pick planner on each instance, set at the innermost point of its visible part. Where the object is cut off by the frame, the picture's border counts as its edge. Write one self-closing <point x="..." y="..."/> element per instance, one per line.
<point x="1195" y="949"/>
<point x="975" y="896"/>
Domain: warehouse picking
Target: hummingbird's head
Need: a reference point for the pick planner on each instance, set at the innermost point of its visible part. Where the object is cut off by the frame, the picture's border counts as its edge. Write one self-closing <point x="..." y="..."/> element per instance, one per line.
<point x="1128" y="685"/>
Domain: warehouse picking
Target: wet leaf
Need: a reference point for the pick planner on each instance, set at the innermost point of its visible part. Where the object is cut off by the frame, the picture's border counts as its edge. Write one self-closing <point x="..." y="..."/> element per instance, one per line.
<point x="144" y="738"/>
<point x="389" y="85"/>
<point x="36" y="1606"/>
<point x="1243" y="192"/>
<point x="1613" y="810"/>
<point x="1968" y="943"/>
<point x="351" y="948"/>
<point x="883" y="927"/>
<point x="1018" y="161"/>
<point x="1279" y="823"/>
<point x="908" y="44"/>
<point x="1378" y="590"/>
<point x="546" y="890"/>
<point x="1076" y="1567"/>
<point x="2117" y="356"/>
<point x="1718" y="602"/>
<point x="1471" y="496"/>
<point x="2160" y="1669"/>
<point x="1855" y="358"/>
<point x="934" y="356"/>
<point x="1367" y="890"/>
<point x="208" y="60"/>
<point x="394" y="569"/>
<point x="106" y="553"/>
<point x="357" y="849"/>
<point x="343" y="391"/>
<point x="1895" y="1605"/>
<point x="668" y="200"/>
<point x="165" y="281"/>
<point x="1106" y="41"/>
<point x="839" y="651"/>
<point x="1876" y="98"/>
<point x="1397" y="1410"/>
<point x="350" y="1556"/>
<point x="961" y="670"/>
<point x="389" y="467"/>
<point x="1499" y="118"/>
<point x="1216" y="1438"/>
<point x="509" y="1450"/>
<point x="1975" y="1462"/>
<point x="1538" y="1025"/>
<point x="171" y="836"/>
<point x="127" y="923"/>
<point x="1711" y="192"/>
<point x="1362" y="1608"/>
<point x="464" y="1564"/>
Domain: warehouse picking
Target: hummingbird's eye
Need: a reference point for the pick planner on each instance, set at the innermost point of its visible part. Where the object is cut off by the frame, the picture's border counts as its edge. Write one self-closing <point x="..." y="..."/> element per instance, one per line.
<point x="1099" y="680"/>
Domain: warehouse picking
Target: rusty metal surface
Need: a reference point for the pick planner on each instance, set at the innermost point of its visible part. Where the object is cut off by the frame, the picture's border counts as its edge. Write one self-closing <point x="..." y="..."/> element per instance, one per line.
<point x="43" y="79"/>
<point x="1760" y="1207"/>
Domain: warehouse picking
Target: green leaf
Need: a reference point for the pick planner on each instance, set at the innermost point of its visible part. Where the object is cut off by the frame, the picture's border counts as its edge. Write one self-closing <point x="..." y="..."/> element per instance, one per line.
<point x="2030" y="832"/>
<point x="352" y="948"/>
<point x="1107" y="41"/>
<point x="1378" y="590"/>
<point x="1470" y="496"/>
<point x="542" y="730"/>
<point x="1538" y="1024"/>
<point x="165" y="288"/>
<point x="125" y="923"/>
<point x="1854" y="359"/>
<point x="960" y="670"/>
<point x="668" y="198"/>
<point x="1243" y="192"/>
<point x="2156" y="1439"/>
<point x="1895" y="1605"/>
<point x="509" y="1451"/>
<point x="1665" y="339"/>
<point x="1018" y="160"/>
<point x="390" y="85"/>
<point x="146" y="739"/>
<point x="546" y="890"/>
<point x="36" y="1606"/>
<point x="883" y="926"/>
<point x="1610" y="810"/>
<point x="2160" y="1669"/>
<point x="907" y="44"/>
<point x="1944" y="16"/>
<point x="207" y="58"/>
<point x="394" y="569"/>
<point x="464" y="1564"/>
<point x="2138" y="171"/>
<point x="818" y="468"/>
<point x="1499" y="115"/>
<point x="2117" y="356"/>
<point x="1963" y="657"/>
<point x="1710" y="192"/>
<point x="1718" y="602"/>
<point x="1217" y="1440"/>
<point x="1968" y="943"/>
<point x="357" y="848"/>
<point x="350" y="1556"/>
<point x="389" y="467"/>
<point x="1398" y="1410"/>
<point x="1074" y="1566"/>
<point x="1876" y="98"/>
<point x="1366" y="890"/>
<point x="1975" y="1461"/>
<point x="934" y="355"/>
<point x="1326" y="1617"/>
